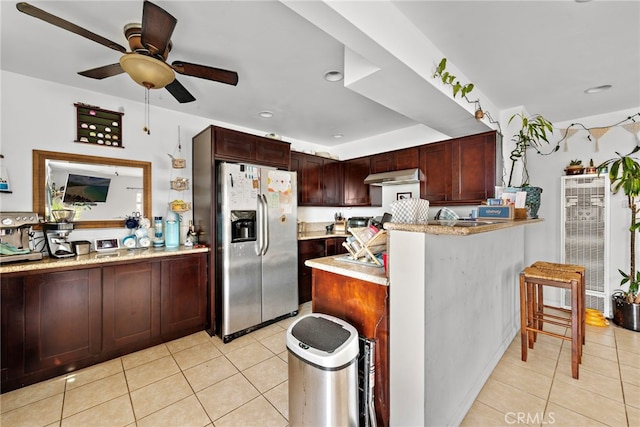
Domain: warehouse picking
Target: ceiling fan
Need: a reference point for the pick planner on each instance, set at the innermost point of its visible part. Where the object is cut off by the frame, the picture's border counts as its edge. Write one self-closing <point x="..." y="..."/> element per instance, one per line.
<point x="149" y="43"/>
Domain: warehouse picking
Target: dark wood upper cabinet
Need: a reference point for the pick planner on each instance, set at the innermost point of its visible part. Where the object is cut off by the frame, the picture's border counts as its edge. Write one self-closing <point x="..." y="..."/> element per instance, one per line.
<point x="234" y="146"/>
<point x="272" y="153"/>
<point x="332" y="183"/>
<point x="310" y="173"/>
<point x="475" y="163"/>
<point x="395" y="160"/>
<point x="356" y="192"/>
<point x="436" y="166"/>
<point x="459" y="171"/>
<point x="381" y="163"/>
<point x="406" y="159"/>
<point x="319" y="180"/>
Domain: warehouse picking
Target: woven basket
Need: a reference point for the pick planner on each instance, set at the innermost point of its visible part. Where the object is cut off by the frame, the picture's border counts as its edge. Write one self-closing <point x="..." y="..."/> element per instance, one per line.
<point x="178" y="163"/>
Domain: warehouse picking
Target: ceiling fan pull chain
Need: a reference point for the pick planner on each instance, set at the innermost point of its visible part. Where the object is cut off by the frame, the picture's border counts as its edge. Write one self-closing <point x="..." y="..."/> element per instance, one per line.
<point x="147" y="126"/>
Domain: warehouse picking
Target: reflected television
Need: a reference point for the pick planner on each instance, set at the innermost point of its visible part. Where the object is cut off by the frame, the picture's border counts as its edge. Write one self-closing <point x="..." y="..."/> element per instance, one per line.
<point x="86" y="189"/>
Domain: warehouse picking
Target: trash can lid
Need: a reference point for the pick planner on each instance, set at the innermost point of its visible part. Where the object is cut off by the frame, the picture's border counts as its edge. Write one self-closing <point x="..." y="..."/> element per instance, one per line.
<point x="323" y="340"/>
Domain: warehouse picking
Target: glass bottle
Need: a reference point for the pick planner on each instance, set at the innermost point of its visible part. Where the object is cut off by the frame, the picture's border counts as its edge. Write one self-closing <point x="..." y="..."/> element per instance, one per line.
<point x="158" y="240"/>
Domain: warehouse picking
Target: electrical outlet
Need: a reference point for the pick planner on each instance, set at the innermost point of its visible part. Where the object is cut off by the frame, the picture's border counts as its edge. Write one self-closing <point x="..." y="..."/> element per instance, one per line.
<point x="624" y="203"/>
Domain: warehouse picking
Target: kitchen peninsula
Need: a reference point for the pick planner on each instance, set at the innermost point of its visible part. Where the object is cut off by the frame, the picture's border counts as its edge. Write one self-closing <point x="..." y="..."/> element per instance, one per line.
<point x="454" y="310"/>
<point x="359" y="295"/>
<point x="442" y="319"/>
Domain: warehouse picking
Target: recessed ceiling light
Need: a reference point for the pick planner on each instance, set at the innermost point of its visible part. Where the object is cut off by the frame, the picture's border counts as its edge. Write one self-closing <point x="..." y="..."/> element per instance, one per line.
<point x="582" y="1"/>
<point x="333" y="76"/>
<point x="338" y="135"/>
<point x="266" y="114"/>
<point x="597" y="89"/>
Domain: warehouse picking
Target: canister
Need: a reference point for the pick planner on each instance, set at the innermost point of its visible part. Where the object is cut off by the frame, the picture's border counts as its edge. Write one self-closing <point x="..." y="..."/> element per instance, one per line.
<point x="172" y="233"/>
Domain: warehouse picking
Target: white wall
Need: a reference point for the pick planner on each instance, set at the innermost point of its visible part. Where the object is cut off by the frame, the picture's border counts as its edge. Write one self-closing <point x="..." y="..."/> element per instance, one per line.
<point x="545" y="172"/>
<point x="37" y="114"/>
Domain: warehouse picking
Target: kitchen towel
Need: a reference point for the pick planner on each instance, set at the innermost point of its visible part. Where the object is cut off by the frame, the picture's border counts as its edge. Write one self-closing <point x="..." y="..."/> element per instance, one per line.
<point x="410" y="211"/>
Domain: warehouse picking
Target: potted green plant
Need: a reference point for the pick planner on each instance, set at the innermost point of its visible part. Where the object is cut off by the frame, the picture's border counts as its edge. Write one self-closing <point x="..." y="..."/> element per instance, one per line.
<point x="624" y="172"/>
<point x="534" y="132"/>
<point x="575" y="167"/>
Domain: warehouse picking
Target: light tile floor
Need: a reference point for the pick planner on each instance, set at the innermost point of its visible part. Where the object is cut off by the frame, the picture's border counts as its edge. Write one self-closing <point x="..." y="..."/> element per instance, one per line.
<point x="199" y="381"/>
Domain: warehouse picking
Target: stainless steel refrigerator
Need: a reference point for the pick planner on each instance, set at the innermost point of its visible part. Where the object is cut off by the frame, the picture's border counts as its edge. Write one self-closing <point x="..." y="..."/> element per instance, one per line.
<point x="257" y="238"/>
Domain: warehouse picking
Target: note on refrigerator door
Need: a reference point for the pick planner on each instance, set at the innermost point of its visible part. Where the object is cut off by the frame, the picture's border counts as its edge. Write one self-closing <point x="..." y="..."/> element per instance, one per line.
<point x="279" y="191"/>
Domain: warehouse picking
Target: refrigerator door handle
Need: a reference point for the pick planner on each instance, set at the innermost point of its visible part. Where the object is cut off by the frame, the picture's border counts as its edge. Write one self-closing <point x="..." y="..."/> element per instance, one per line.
<point x="260" y="234"/>
<point x="265" y="229"/>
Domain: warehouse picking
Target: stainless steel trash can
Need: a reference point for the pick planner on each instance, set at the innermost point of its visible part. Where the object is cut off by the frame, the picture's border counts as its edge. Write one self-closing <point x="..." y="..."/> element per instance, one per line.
<point x="323" y="372"/>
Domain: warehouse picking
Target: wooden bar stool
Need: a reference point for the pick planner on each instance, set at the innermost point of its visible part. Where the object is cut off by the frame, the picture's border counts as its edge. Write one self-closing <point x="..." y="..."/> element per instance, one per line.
<point x="581" y="270"/>
<point x="531" y="278"/>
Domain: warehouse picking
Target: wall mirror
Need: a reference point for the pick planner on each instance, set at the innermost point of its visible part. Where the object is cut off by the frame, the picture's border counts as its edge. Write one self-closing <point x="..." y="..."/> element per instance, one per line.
<point x="103" y="191"/>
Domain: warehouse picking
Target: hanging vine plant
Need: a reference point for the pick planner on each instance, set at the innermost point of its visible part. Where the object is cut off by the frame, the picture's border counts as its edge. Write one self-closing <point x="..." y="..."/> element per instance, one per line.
<point x="449" y="79"/>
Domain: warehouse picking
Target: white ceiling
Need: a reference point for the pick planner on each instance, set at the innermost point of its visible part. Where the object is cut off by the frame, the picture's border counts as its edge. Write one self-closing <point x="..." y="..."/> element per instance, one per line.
<point x="536" y="54"/>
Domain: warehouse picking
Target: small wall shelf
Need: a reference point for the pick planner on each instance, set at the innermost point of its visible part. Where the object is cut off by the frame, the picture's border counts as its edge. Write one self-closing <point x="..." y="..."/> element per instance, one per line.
<point x="98" y="126"/>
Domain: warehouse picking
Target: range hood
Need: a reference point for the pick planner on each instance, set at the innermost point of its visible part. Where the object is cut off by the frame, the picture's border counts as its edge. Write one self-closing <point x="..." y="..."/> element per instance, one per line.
<point x="405" y="176"/>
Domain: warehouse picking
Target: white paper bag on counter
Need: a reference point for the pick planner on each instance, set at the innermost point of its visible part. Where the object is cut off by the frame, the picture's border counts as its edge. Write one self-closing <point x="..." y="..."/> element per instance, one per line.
<point x="410" y="211"/>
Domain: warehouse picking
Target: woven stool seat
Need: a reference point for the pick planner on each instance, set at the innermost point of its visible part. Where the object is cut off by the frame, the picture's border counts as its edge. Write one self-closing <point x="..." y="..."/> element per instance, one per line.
<point x="533" y="316"/>
<point x="580" y="269"/>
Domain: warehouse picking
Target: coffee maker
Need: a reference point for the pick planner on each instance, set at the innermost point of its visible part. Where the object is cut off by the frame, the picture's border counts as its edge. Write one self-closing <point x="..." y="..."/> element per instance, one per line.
<point x="15" y="235"/>
<point x="56" y="234"/>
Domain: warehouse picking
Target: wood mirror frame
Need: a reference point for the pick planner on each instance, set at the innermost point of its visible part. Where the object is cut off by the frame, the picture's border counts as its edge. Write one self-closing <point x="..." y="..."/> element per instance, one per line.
<point x="39" y="183"/>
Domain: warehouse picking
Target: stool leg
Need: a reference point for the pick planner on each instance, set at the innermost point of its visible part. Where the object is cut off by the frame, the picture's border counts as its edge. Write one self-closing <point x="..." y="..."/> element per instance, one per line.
<point x="576" y="327"/>
<point x="523" y="318"/>
<point x="531" y="308"/>
<point x="583" y="315"/>
<point x="539" y="309"/>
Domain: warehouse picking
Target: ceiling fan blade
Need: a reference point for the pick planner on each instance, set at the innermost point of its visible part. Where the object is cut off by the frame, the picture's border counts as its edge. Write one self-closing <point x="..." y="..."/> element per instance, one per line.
<point x="66" y="25"/>
<point x="157" y="28"/>
<point x="179" y="92"/>
<point x="204" y="72"/>
<point x="103" y="72"/>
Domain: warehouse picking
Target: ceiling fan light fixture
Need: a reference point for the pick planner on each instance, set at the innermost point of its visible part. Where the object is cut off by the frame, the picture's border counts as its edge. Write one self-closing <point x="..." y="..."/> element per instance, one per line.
<point x="147" y="71"/>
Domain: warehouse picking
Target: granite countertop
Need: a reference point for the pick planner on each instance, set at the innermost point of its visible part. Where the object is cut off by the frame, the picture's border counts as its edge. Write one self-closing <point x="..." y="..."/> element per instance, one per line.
<point x="367" y="273"/>
<point x="97" y="258"/>
<point x="446" y="227"/>
<point x="310" y="235"/>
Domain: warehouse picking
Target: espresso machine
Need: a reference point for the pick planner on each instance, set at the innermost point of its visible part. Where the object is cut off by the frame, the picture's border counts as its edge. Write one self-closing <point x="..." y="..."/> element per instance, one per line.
<point x="56" y="234"/>
<point x="15" y="236"/>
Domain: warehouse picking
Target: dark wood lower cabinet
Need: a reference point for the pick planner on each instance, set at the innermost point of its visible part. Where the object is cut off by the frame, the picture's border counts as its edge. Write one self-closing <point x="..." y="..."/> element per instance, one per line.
<point x="364" y="305"/>
<point x="62" y="318"/>
<point x="307" y="249"/>
<point x="183" y="296"/>
<point x="131" y="304"/>
<point x="310" y="249"/>
<point x="57" y="321"/>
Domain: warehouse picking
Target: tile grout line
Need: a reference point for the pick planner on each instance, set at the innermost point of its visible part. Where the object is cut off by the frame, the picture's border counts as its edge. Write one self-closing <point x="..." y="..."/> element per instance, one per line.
<point x="553" y="379"/>
<point x="624" y="397"/>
